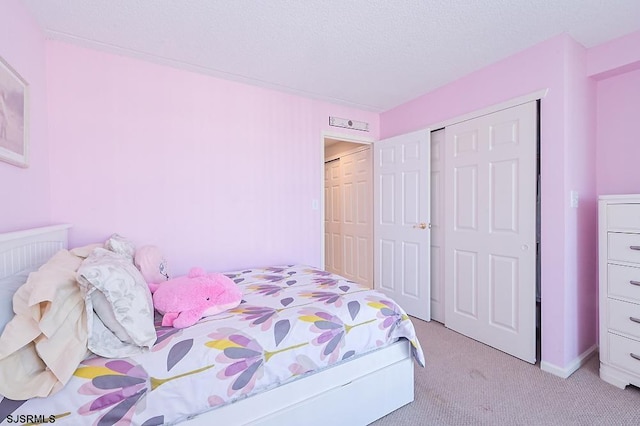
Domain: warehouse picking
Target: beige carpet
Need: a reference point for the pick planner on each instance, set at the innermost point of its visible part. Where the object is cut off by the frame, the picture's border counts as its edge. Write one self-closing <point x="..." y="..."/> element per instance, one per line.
<point x="468" y="383"/>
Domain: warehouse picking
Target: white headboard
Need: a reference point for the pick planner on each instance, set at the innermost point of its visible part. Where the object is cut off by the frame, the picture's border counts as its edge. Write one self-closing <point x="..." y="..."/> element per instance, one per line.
<point x="30" y="247"/>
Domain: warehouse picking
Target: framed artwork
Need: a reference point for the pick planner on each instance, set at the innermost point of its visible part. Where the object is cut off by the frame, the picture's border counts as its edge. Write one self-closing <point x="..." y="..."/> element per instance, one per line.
<point x="14" y="117"/>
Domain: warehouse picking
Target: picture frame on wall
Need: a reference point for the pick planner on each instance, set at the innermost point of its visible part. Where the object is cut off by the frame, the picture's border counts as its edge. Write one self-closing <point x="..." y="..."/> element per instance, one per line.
<point x="14" y="116"/>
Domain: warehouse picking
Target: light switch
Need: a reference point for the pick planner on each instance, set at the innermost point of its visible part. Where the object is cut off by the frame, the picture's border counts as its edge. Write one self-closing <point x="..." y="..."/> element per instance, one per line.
<point x="574" y="199"/>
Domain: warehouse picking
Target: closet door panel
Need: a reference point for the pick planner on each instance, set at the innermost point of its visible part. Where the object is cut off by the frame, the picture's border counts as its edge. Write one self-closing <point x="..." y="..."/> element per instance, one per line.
<point x="490" y="242"/>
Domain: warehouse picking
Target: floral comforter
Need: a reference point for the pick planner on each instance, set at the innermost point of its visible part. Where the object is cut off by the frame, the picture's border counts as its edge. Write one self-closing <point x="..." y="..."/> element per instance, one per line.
<point x="292" y="320"/>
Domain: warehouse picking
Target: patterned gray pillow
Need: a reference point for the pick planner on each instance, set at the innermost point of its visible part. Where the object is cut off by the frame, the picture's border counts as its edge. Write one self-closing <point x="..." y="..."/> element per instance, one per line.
<point x="129" y="298"/>
<point x="121" y="245"/>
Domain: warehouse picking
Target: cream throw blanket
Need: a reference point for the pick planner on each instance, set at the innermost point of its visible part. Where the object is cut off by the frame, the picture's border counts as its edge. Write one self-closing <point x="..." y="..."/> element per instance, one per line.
<point x="46" y="340"/>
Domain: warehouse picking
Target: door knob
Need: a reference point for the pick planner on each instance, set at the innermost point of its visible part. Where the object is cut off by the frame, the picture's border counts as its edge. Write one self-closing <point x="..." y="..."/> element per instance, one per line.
<point x="421" y="226"/>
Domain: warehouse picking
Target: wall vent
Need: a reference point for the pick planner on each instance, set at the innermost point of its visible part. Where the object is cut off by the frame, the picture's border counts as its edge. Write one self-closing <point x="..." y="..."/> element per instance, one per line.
<point x="348" y="124"/>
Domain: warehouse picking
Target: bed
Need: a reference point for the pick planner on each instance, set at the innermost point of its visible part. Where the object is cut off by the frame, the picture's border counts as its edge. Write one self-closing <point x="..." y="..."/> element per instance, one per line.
<point x="219" y="370"/>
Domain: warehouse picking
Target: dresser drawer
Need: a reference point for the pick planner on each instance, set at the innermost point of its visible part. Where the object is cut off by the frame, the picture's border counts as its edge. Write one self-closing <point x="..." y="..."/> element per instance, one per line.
<point x="624" y="282"/>
<point x="624" y="247"/>
<point x="624" y="317"/>
<point x="623" y="216"/>
<point x="620" y="353"/>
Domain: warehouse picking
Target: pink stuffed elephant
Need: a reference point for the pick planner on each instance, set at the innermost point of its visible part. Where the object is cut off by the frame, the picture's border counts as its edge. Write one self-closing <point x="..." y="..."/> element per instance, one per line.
<point x="184" y="300"/>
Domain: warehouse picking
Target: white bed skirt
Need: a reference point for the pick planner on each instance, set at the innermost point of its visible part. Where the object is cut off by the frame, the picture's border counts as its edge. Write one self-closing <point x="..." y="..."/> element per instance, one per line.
<point x="356" y="392"/>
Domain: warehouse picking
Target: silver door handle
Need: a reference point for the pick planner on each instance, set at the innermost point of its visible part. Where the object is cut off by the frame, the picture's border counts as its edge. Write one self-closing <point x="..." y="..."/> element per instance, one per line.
<point x="634" y="247"/>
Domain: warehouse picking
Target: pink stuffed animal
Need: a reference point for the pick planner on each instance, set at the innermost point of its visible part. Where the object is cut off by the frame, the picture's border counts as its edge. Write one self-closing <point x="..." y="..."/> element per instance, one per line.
<point x="184" y="300"/>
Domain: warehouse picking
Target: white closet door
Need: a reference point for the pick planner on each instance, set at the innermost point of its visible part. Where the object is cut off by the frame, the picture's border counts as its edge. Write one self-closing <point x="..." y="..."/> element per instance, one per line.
<point x="333" y="217"/>
<point x="401" y="218"/>
<point x="357" y="217"/>
<point x="490" y="236"/>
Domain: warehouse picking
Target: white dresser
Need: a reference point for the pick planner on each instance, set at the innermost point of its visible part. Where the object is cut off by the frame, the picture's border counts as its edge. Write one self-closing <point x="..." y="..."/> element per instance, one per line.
<point x="619" y="284"/>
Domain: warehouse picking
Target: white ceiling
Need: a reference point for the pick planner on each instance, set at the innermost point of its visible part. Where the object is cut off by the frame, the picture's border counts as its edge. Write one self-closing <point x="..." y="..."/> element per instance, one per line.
<point x="370" y="54"/>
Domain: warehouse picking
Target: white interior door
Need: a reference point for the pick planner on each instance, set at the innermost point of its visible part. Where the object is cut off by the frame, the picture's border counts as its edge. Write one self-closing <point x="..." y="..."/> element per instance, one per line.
<point x="401" y="218"/>
<point x="357" y="217"/>
<point x="490" y="229"/>
<point x="333" y="217"/>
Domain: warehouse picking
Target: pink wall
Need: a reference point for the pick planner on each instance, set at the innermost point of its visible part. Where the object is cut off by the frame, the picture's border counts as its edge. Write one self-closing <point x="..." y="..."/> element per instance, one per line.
<point x="25" y="192"/>
<point x="616" y="67"/>
<point x="219" y="174"/>
<point x="615" y="57"/>
<point x="580" y="284"/>
<point x="551" y="64"/>
<point x="618" y="149"/>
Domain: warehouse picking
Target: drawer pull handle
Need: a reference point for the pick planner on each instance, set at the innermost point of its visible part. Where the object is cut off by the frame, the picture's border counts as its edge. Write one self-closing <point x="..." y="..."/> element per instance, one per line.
<point x="634" y="356"/>
<point x="633" y="282"/>
<point x="634" y="247"/>
<point x="635" y="319"/>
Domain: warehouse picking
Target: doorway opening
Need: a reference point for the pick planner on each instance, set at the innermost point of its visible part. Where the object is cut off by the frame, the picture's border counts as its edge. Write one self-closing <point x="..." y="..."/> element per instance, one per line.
<point x="347" y="225"/>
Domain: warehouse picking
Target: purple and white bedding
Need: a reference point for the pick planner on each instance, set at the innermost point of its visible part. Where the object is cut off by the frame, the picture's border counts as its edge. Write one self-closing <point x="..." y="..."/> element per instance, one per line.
<point x="293" y="320"/>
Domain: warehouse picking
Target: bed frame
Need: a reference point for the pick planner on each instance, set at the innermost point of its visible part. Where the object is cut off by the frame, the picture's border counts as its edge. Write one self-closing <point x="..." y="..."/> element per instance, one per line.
<point x="356" y="392"/>
<point x="30" y="248"/>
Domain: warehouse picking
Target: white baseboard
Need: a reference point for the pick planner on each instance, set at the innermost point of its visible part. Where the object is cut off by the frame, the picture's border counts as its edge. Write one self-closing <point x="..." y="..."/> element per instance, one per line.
<point x="573" y="365"/>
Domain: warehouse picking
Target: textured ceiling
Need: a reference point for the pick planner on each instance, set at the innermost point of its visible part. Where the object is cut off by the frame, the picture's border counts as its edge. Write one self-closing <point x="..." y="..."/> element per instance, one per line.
<point x="370" y="54"/>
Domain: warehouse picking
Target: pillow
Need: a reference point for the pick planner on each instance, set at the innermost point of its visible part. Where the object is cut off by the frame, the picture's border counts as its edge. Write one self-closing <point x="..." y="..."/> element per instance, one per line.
<point x="121" y="245"/>
<point x="152" y="264"/>
<point x="122" y="326"/>
<point x="104" y="311"/>
<point x="8" y="287"/>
